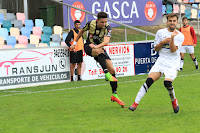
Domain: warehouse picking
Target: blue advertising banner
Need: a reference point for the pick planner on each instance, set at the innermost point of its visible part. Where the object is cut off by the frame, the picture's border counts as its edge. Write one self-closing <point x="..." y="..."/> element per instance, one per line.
<point x="131" y="12"/>
<point x="145" y="57"/>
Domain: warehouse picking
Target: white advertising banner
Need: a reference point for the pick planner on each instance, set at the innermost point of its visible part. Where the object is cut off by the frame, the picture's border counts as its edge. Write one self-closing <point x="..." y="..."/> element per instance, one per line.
<point x="31" y="67"/>
<point x="122" y="57"/>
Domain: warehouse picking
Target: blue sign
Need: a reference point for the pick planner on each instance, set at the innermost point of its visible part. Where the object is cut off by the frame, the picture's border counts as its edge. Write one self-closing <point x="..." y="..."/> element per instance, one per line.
<point x="130" y="12"/>
<point x="145" y="57"/>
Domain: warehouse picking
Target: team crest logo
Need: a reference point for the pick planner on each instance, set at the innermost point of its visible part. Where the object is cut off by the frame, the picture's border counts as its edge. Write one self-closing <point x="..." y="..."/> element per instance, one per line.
<point x="77" y="14"/>
<point x="150" y="10"/>
<point x="97" y="32"/>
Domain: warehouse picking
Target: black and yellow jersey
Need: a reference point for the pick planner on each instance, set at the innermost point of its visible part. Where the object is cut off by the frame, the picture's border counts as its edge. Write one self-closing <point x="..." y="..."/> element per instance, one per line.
<point x="96" y="35"/>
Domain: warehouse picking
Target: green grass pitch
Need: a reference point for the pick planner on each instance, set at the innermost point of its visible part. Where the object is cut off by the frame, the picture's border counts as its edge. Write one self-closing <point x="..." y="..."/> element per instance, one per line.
<point x="85" y="107"/>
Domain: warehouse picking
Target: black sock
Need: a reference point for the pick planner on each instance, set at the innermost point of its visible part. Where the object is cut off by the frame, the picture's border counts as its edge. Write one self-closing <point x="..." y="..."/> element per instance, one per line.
<point x="195" y="62"/>
<point x="113" y="85"/>
<point x="102" y="61"/>
<point x="72" y="78"/>
<point x="79" y="77"/>
<point x="195" y="59"/>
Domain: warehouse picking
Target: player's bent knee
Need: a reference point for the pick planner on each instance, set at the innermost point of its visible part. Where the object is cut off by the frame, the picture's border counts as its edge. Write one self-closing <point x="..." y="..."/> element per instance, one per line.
<point x="168" y="84"/>
<point x="149" y="82"/>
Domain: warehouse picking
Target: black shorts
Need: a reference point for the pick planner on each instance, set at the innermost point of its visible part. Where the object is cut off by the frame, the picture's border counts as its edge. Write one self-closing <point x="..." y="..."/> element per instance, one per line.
<point x="76" y="57"/>
<point x="88" y="51"/>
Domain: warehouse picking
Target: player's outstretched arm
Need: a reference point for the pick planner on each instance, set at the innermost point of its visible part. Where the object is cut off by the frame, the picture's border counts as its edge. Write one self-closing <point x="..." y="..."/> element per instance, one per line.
<point x="80" y="34"/>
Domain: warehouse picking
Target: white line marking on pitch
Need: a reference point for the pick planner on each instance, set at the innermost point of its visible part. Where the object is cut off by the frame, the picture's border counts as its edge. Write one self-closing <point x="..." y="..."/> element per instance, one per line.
<point x="27" y="92"/>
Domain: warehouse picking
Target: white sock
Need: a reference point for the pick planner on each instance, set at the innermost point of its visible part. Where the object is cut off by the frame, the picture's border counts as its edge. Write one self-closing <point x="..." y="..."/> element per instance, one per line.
<point x="182" y="63"/>
<point x="195" y="62"/>
<point x="143" y="90"/>
<point x="171" y="94"/>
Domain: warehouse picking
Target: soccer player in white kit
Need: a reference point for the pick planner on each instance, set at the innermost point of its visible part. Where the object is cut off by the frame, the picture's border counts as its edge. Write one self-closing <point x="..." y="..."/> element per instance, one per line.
<point x="167" y="42"/>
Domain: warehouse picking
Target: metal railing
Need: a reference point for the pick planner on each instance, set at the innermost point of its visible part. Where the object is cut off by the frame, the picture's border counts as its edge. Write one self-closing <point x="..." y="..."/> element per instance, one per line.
<point x="87" y="12"/>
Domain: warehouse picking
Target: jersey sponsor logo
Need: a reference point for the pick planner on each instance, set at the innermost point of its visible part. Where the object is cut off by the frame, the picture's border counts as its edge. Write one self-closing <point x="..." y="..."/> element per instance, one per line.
<point x="166" y="46"/>
<point x="77" y="14"/>
<point x="150" y="10"/>
<point x="97" y="38"/>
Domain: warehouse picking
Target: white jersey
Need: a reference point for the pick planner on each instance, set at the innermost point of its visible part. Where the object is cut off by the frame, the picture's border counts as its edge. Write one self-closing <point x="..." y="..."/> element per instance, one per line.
<point x="166" y="57"/>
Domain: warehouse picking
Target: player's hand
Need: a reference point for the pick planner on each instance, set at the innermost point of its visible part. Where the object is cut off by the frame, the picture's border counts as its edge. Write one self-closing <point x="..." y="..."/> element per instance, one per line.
<point x="91" y="45"/>
<point x="72" y="47"/>
<point x="96" y="47"/>
<point x="195" y="45"/>
<point x="166" y="41"/>
<point x="174" y="33"/>
<point x="74" y="50"/>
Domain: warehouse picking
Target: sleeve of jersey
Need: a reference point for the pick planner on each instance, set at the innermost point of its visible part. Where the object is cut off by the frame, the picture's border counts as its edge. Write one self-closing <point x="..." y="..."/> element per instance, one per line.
<point x="87" y="26"/>
<point x="179" y="39"/>
<point x="180" y="29"/>
<point x="157" y="39"/>
<point x="108" y="28"/>
<point x="193" y="34"/>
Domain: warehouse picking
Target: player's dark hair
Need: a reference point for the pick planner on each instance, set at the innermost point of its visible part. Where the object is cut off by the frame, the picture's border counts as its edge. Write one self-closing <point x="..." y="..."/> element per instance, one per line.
<point x="76" y="21"/>
<point x="184" y="18"/>
<point x="172" y="15"/>
<point x="102" y="15"/>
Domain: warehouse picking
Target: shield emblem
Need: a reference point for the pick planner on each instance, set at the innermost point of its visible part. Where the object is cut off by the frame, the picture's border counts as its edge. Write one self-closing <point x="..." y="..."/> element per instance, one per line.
<point x="97" y="32"/>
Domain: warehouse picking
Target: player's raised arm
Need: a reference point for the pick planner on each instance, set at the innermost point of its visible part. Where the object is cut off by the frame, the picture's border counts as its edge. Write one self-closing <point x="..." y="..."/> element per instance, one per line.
<point x="160" y="45"/>
<point x="172" y="46"/>
<point x="159" y="42"/>
<point x="80" y="34"/>
<point x="106" y="38"/>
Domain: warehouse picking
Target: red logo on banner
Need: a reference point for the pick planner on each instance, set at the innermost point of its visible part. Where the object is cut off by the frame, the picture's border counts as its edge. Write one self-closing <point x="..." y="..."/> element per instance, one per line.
<point x="83" y="68"/>
<point x="150" y="10"/>
<point x="77" y="14"/>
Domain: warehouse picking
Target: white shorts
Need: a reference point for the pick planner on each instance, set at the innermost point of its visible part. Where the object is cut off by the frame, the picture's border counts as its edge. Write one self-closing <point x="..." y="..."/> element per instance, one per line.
<point x="170" y="73"/>
<point x="187" y="49"/>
